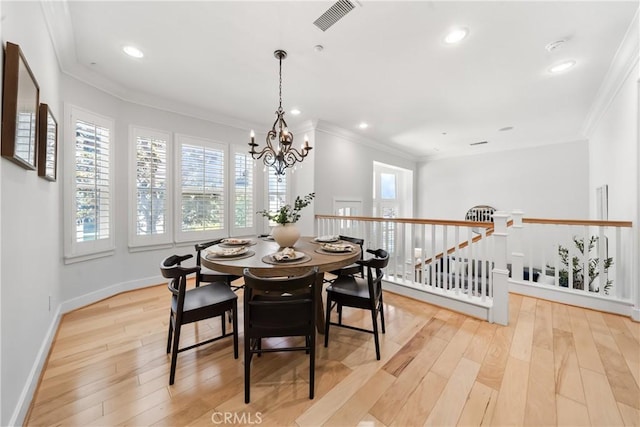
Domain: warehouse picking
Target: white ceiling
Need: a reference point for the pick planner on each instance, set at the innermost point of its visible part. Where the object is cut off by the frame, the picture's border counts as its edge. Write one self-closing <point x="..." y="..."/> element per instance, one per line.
<point x="384" y="63"/>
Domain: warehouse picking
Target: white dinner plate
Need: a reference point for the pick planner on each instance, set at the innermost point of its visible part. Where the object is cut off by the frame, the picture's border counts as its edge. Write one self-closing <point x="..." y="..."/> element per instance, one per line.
<point x="228" y="252"/>
<point x="326" y="239"/>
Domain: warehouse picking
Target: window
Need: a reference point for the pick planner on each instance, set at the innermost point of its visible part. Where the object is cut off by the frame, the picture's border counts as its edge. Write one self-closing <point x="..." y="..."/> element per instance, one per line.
<point x="392" y="198"/>
<point x="200" y="189"/>
<point x="150" y="199"/>
<point x="387" y="186"/>
<point x="243" y="197"/>
<point x="89" y="197"/>
<point x="276" y="192"/>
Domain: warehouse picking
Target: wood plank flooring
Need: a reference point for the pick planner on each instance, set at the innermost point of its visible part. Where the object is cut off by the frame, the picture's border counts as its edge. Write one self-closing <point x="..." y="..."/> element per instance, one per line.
<point x="553" y="365"/>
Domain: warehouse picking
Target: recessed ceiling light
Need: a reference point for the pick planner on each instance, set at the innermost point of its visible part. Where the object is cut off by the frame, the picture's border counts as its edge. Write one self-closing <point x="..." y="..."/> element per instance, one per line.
<point x="295" y="112"/>
<point x="562" y="67"/>
<point x="363" y="125"/>
<point x="456" y="35"/>
<point x="133" y="51"/>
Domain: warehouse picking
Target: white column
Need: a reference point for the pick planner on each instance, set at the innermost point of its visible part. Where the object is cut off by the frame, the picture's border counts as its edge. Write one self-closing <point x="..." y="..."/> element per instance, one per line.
<point x="500" y="310"/>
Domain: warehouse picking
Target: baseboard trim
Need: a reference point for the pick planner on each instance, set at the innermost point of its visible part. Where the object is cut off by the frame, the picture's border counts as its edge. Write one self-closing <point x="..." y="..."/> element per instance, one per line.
<point x="441" y="300"/>
<point x="29" y="389"/>
<point x="563" y="296"/>
<point x="26" y="396"/>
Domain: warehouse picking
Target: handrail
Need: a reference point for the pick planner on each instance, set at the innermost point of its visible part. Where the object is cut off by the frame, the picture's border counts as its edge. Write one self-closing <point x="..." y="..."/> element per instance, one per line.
<point x="589" y="222"/>
<point x="409" y="220"/>
<point x="488" y="225"/>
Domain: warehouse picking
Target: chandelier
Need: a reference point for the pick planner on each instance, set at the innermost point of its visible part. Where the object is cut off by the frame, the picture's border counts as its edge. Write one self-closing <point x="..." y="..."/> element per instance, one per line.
<point x="279" y="151"/>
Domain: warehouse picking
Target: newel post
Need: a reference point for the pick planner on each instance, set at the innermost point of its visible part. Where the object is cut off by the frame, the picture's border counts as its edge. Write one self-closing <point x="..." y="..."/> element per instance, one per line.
<point x="500" y="309"/>
<point x="517" y="255"/>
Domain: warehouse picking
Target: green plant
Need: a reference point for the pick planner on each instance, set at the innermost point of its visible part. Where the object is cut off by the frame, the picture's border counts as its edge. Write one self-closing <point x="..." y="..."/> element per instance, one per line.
<point x="288" y="214"/>
<point x="577" y="266"/>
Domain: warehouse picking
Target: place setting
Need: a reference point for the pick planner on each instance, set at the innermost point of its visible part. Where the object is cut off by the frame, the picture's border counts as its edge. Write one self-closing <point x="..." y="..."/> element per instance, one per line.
<point x="330" y="238"/>
<point x="234" y="242"/>
<point x="335" y="248"/>
<point x="286" y="256"/>
<point x="229" y="253"/>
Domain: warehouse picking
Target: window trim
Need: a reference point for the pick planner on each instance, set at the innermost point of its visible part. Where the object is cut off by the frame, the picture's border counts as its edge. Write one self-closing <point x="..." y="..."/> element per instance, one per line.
<point x="75" y="251"/>
<point x="157" y="240"/>
<point x="197" y="236"/>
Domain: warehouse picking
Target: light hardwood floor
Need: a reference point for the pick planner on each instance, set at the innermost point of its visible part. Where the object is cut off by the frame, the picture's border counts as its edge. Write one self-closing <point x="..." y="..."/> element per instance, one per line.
<point x="553" y="365"/>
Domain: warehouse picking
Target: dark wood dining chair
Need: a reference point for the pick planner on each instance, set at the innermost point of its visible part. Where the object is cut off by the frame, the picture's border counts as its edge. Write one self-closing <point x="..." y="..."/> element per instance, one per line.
<point x="279" y="307"/>
<point x="364" y="293"/>
<point x="188" y="306"/>
<point x="207" y="275"/>
<point x="351" y="269"/>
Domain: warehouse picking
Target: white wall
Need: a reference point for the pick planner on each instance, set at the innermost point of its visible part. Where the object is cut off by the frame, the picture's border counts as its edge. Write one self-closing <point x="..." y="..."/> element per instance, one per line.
<point x="613" y="148"/>
<point x="550" y="181"/>
<point x="344" y="168"/>
<point x="614" y="154"/>
<point x="127" y="269"/>
<point x="29" y="226"/>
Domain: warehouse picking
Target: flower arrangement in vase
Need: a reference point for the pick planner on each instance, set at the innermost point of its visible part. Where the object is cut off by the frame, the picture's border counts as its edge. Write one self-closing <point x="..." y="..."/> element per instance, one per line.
<point x="286" y="233"/>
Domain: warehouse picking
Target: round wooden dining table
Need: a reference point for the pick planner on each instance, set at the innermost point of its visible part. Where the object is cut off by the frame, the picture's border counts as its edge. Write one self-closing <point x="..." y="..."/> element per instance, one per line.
<point x="261" y="249"/>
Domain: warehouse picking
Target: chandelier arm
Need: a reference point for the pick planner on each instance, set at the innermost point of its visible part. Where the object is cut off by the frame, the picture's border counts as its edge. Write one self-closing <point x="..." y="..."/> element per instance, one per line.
<point x="297" y="154"/>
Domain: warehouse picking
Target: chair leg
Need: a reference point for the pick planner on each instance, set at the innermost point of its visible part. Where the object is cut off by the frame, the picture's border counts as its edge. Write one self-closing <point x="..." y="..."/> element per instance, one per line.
<point x="170" y="333"/>
<point x="382" y="314"/>
<point x="247" y="368"/>
<point x="327" y="321"/>
<point x="223" y="323"/>
<point x="174" y="354"/>
<point x="339" y="314"/>
<point x="312" y="364"/>
<point x="374" y="318"/>
<point x="235" y="328"/>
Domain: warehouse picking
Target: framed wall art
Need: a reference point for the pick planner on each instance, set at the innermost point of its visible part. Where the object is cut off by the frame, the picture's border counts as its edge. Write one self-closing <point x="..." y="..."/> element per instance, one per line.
<point x="47" y="143"/>
<point x="20" y="101"/>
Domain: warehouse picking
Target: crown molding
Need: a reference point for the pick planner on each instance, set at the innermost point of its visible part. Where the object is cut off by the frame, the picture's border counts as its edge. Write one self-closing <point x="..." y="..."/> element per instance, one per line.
<point x="334" y="130"/>
<point x="624" y="61"/>
<point x="60" y="28"/>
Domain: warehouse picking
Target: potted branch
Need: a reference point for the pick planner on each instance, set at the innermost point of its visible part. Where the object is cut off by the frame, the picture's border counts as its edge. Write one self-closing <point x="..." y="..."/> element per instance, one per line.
<point x="286" y="233"/>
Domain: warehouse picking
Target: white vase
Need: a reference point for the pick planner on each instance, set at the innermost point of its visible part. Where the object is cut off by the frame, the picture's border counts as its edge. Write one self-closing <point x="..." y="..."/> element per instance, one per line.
<point x="286" y="235"/>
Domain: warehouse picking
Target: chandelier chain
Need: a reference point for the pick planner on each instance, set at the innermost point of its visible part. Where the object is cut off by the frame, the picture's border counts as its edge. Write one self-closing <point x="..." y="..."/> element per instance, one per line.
<point x="280" y="88"/>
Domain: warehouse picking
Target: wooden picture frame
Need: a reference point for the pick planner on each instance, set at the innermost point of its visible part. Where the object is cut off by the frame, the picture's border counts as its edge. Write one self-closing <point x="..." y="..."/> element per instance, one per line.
<point x="47" y="143"/>
<point x="20" y="102"/>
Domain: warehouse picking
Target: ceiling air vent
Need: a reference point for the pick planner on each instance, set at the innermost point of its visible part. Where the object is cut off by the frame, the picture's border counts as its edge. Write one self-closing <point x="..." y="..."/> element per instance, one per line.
<point x="334" y="14"/>
<point x="479" y="143"/>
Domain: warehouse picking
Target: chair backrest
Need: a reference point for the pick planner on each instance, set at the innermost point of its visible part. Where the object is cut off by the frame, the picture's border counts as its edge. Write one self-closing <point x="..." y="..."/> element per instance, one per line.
<point x="376" y="264"/>
<point x="355" y="241"/>
<point x="202" y="246"/>
<point x="279" y="307"/>
<point x="171" y="269"/>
